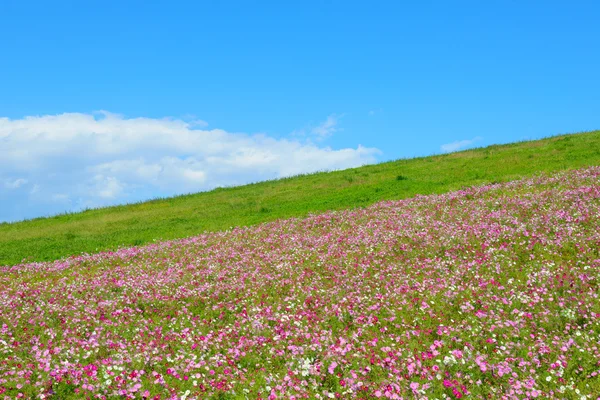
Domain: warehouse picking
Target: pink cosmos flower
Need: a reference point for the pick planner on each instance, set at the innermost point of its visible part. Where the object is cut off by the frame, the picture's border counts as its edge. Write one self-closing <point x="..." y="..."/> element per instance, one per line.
<point x="332" y="366"/>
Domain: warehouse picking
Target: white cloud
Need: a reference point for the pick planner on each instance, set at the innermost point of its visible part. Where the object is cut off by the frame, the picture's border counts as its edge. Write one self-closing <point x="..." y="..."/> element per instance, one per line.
<point x="14" y="184"/>
<point x="107" y="187"/>
<point x="327" y="127"/>
<point x="459" y="144"/>
<point x="88" y="160"/>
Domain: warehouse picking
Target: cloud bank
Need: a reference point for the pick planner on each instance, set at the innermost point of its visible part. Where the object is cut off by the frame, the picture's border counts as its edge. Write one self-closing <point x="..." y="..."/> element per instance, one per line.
<point x="67" y="162"/>
<point x="459" y="145"/>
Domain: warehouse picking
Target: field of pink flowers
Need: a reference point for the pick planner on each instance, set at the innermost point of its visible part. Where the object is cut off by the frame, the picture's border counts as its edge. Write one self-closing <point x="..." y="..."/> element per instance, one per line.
<point x="488" y="292"/>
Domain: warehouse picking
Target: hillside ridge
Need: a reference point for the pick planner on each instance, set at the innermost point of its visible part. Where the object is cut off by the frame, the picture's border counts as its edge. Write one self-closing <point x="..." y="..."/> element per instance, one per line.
<point x="51" y="238"/>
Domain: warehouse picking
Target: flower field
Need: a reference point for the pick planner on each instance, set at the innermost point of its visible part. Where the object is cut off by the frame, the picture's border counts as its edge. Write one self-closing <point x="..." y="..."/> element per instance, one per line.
<point x="488" y="292"/>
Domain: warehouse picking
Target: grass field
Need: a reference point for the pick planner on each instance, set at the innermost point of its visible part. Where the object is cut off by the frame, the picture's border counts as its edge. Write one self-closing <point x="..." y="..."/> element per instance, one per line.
<point x="110" y="228"/>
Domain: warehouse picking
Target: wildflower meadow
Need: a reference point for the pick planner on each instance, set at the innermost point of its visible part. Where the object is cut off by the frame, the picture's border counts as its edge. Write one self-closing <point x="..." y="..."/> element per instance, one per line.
<point x="487" y="292"/>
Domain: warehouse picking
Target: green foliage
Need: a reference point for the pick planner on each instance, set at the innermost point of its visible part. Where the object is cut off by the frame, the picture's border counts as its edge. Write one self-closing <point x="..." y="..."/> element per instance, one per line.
<point x="51" y="238"/>
<point x="64" y="390"/>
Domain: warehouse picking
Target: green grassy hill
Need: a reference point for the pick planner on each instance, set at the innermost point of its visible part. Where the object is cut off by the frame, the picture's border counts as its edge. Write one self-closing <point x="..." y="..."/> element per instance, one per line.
<point x="45" y="239"/>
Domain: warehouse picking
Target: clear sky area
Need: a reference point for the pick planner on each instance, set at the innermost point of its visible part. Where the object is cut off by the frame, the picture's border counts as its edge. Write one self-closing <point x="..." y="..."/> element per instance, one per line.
<point x="118" y="101"/>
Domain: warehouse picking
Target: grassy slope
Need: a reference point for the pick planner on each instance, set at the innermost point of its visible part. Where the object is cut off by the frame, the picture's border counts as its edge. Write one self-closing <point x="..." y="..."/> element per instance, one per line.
<point x="89" y="231"/>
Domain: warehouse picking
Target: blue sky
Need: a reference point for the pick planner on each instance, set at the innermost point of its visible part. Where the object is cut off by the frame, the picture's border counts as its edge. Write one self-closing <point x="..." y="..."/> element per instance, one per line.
<point x="117" y="101"/>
